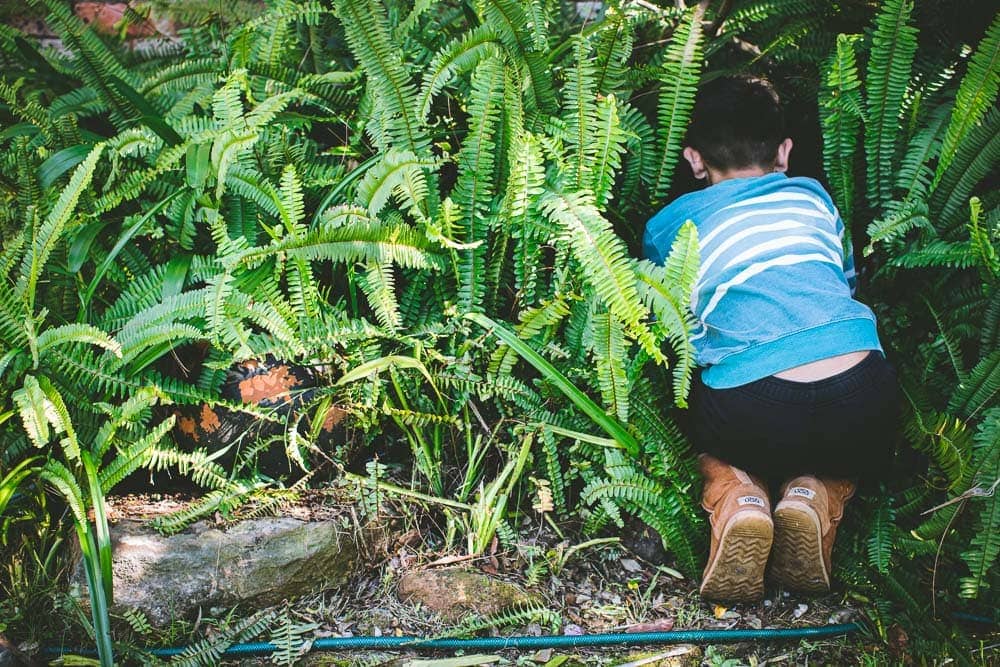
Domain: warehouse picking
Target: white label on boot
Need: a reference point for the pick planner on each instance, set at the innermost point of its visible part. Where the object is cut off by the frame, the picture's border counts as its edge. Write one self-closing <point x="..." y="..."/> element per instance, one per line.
<point x="801" y="491"/>
<point x="750" y="500"/>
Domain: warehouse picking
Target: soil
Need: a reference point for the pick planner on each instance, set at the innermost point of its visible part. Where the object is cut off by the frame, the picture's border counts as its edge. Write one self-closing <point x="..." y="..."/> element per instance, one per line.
<point x="604" y="587"/>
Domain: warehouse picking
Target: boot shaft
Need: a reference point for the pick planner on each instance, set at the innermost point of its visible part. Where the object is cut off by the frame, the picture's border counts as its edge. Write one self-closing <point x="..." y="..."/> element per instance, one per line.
<point x="725" y="484"/>
<point x="742" y="530"/>
<point x="826" y="496"/>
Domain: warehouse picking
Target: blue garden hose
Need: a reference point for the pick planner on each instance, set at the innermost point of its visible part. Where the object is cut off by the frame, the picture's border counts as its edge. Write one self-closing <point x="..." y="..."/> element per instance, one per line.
<point x="530" y="642"/>
<point x="523" y="642"/>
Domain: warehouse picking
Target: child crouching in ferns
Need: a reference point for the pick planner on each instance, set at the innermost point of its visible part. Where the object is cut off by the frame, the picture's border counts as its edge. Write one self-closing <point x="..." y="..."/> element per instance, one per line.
<point x="792" y="387"/>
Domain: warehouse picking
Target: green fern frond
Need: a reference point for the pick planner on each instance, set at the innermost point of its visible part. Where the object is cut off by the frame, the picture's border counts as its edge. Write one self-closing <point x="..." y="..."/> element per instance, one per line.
<point x="291" y="198"/>
<point x="517" y="615"/>
<point x="226" y="153"/>
<point x="533" y="321"/>
<point x="77" y="333"/>
<point x="48" y="235"/>
<point x="581" y="113"/>
<point x="475" y="188"/>
<point x="948" y="341"/>
<point x="681" y="266"/>
<point x="130" y="414"/>
<point x="881" y="535"/>
<point x="975" y="159"/>
<point x="981" y="243"/>
<point x="378" y="283"/>
<point x="266" y="502"/>
<point x="370" y="39"/>
<point x="461" y="55"/>
<point x="31" y="402"/>
<point x="554" y="470"/>
<point x="137" y="311"/>
<point x="287" y="12"/>
<point x="644" y="497"/>
<point x="840" y="114"/>
<point x="525" y="183"/>
<point x="604" y="151"/>
<point x="608" y="346"/>
<point x="641" y="159"/>
<point x="670" y="453"/>
<point x="613" y="45"/>
<point x="150" y="343"/>
<point x="981" y="556"/>
<point x="989" y="332"/>
<point x="667" y="292"/>
<point x="678" y="83"/>
<point x="59" y="476"/>
<point x="198" y="465"/>
<point x="58" y="416"/>
<point x="289" y="639"/>
<point x="513" y="391"/>
<point x="134" y="182"/>
<point x="365" y="241"/>
<point x="418" y="419"/>
<point x="208" y="652"/>
<point x="93" y="61"/>
<point x="976" y="95"/>
<point x="138" y="622"/>
<point x="762" y="15"/>
<point x="902" y="217"/>
<point x="400" y="174"/>
<point x="510" y="22"/>
<point x="938" y="253"/>
<point x="230" y="497"/>
<point x="28" y="110"/>
<point x="979" y="389"/>
<point x="181" y="76"/>
<point x="915" y="174"/>
<point x="133" y="457"/>
<point x="603" y="260"/>
<point x="894" y="44"/>
<point x="946" y="440"/>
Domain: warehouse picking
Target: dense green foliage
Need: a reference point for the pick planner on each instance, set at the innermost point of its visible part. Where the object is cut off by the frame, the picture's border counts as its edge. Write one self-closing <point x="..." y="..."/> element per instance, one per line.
<point x="382" y="191"/>
<point x="930" y="139"/>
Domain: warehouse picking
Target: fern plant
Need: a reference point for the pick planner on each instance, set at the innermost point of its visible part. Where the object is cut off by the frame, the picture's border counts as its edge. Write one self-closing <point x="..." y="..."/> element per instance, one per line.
<point x="65" y="395"/>
<point x="256" y="238"/>
<point x="379" y="192"/>
<point x="929" y="148"/>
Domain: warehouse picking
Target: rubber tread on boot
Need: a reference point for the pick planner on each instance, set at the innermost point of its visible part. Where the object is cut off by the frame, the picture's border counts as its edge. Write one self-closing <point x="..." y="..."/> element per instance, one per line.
<point x="797" y="557"/>
<point x="737" y="572"/>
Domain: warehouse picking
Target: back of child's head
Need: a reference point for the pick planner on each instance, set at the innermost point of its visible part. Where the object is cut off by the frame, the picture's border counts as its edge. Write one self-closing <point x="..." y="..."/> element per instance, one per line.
<point x="737" y="123"/>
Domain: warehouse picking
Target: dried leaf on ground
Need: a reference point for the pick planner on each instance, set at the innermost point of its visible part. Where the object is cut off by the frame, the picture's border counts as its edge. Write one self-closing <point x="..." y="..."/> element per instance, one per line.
<point x="659" y="625"/>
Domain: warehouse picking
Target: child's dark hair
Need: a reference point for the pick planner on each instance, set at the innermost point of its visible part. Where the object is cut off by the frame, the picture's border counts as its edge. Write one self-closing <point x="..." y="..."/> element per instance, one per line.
<point x="737" y="123"/>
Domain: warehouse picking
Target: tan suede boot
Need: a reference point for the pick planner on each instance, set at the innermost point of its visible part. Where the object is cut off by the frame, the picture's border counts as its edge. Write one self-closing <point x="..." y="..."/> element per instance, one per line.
<point x="805" y="527"/>
<point x="740" y="514"/>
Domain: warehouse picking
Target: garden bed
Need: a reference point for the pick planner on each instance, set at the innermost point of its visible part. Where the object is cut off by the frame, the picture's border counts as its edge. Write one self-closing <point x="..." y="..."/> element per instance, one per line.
<point x="408" y="584"/>
<point x="438" y="208"/>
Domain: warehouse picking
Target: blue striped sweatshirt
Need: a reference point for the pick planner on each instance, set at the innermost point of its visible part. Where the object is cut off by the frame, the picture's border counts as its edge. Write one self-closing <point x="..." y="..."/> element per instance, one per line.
<point x="776" y="282"/>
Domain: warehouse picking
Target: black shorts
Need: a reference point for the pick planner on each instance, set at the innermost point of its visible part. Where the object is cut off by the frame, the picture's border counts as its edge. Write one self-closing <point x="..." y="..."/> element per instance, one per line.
<point x="842" y="426"/>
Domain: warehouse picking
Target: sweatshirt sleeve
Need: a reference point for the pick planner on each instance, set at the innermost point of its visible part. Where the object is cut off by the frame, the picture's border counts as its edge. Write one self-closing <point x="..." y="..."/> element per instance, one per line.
<point x="659" y="235"/>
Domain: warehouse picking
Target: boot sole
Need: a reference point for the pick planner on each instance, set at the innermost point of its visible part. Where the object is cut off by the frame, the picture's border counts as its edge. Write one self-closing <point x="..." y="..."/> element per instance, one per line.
<point x="797" y="557"/>
<point x="737" y="573"/>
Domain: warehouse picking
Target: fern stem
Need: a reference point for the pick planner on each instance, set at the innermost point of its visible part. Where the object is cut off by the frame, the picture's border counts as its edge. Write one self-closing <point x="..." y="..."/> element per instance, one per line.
<point x="431" y="466"/>
<point x="585" y="545"/>
<point x="581" y="400"/>
<point x="408" y="493"/>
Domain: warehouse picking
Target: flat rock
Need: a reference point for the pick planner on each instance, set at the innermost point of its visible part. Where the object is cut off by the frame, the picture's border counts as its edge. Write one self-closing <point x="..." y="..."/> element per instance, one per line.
<point x="455" y="592"/>
<point x="257" y="562"/>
